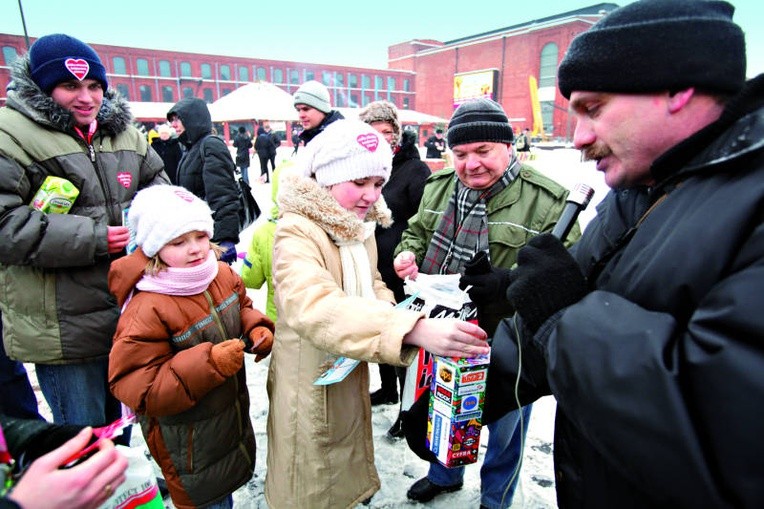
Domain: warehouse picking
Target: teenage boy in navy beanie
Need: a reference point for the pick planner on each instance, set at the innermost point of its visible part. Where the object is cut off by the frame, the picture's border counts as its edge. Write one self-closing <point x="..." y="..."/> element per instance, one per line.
<point x="648" y="331"/>
<point x="62" y="120"/>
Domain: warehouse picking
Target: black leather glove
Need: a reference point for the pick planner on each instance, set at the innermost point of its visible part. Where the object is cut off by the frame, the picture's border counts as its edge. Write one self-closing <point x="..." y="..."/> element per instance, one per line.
<point x="229" y="256"/>
<point x="489" y="284"/>
<point x="546" y="279"/>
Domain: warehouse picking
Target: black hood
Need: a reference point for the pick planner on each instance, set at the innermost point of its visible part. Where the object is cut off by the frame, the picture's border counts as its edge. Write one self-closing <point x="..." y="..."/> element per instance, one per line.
<point x="196" y="118"/>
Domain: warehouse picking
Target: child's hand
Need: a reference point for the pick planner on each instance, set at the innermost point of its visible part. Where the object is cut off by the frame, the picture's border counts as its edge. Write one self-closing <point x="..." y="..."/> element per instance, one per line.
<point x="228" y="356"/>
<point x="262" y="342"/>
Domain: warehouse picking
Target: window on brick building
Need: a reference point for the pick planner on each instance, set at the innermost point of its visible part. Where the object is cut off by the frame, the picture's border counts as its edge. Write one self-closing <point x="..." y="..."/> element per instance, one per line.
<point x="379" y="83"/>
<point x="188" y="92"/>
<point x="309" y="75"/>
<point x="352" y="80"/>
<point x="206" y="71"/>
<point x="294" y="77"/>
<point x="123" y="91"/>
<point x="118" y="65"/>
<point x="225" y="72"/>
<point x="278" y="76"/>
<point x="548" y="67"/>
<point x="142" y="67"/>
<point x="365" y="82"/>
<point x="168" y="95"/>
<point x="390" y="83"/>
<point x="145" y="92"/>
<point x="262" y="74"/>
<point x="9" y="55"/>
<point x="243" y="73"/>
<point x="406" y="85"/>
<point x="207" y="95"/>
<point x="164" y="68"/>
<point x="185" y="69"/>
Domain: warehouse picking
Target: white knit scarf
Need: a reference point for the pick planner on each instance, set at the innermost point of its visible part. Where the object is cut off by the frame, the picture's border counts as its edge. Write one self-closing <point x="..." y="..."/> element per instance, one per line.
<point x="356" y="269"/>
<point x="181" y="281"/>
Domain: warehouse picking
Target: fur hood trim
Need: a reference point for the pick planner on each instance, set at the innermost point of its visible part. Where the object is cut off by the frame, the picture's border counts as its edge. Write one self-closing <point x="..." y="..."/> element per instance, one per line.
<point x="302" y="195"/>
<point x="27" y="98"/>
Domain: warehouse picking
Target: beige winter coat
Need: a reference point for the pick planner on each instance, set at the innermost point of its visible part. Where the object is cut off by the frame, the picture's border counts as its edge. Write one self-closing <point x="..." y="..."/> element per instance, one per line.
<point x="320" y="449"/>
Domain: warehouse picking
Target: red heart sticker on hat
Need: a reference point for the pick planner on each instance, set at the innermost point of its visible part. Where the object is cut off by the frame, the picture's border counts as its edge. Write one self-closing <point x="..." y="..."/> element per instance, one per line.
<point x="368" y="141"/>
<point x="78" y="67"/>
<point x="184" y="195"/>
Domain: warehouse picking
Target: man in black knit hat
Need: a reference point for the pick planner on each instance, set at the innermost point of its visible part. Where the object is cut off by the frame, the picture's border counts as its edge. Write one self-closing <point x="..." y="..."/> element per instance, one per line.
<point x="492" y="204"/>
<point x="648" y="331"/>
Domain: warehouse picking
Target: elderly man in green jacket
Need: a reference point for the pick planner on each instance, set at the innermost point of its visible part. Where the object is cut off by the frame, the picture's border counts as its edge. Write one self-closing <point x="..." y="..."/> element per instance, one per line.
<point x="488" y="202"/>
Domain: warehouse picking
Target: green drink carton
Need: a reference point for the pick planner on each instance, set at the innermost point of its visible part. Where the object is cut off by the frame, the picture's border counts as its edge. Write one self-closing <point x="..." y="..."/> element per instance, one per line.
<point x="55" y="196"/>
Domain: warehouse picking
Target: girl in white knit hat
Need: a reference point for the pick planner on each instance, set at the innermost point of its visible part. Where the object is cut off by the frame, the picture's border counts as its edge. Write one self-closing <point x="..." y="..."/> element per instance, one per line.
<point x="179" y="348"/>
<point x="331" y="302"/>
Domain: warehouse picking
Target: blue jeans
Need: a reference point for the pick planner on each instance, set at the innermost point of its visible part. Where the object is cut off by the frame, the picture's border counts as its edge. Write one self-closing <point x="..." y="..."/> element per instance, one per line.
<point x="79" y="393"/>
<point x="17" y="398"/>
<point x="502" y="458"/>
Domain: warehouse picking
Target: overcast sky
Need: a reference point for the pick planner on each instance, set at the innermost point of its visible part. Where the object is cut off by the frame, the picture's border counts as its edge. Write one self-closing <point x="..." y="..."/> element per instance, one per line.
<point x="331" y="32"/>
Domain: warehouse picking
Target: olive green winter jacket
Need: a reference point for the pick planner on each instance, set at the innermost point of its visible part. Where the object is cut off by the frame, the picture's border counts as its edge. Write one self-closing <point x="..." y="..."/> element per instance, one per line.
<point x="56" y="306"/>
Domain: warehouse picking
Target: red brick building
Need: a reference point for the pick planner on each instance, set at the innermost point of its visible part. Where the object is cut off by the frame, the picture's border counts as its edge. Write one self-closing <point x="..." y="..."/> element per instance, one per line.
<point x="424" y="75"/>
<point x="498" y="64"/>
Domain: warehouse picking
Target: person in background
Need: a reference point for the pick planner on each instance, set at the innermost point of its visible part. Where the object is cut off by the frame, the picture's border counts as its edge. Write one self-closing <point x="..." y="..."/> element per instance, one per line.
<point x="266" y="152"/>
<point x="257" y="267"/>
<point x="314" y="109"/>
<point x="332" y="302"/>
<point x="35" y="457"/>
<point x="62" y="120"/>
<point x="207" y="170"/>
<point x="402" y="193"/>
<point x="296" y="140"/>
<point x="523" y="141"/>
<point x="178" y="355"/>
<point x="436" y="145"/>
<point x="648" y="330"/>
<point x="488" y="204"/>
<point x="242" y="142"/>
<point x="169" y="149"/>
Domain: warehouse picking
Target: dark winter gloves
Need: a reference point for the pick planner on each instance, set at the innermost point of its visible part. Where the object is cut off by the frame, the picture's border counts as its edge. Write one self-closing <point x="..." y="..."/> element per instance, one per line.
<point x="229" y="256"/>
<point x="489" y="284"/>
<point x="228" y="356"/>
<point x="546" y="280"/>
<point x="261" y="342"/>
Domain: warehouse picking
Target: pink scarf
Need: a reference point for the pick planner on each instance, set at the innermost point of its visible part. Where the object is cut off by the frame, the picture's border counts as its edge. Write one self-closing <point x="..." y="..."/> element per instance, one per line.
<point x="186" y="281"/>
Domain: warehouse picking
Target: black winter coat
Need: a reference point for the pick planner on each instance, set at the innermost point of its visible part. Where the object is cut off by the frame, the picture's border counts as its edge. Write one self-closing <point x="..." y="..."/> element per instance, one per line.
<point x="209" y="175"/>
<point x="658" y="372"/>
<point x="402" y="192"/>
<point x="171" y="152"/>
<point x="309" y="134"/>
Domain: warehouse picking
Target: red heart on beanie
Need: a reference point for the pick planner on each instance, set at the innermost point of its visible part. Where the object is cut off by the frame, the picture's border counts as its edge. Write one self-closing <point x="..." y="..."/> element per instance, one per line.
<point x="78" y="67"/>
<point x="368" y="141"/>
<point x="184" y="195"/>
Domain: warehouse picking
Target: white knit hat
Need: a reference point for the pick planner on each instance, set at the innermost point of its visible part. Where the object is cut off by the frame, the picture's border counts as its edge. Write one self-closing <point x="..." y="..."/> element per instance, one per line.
<point x="347" y="150"/>
<point x="315" y="95"/>
<point x="160" y="213"/>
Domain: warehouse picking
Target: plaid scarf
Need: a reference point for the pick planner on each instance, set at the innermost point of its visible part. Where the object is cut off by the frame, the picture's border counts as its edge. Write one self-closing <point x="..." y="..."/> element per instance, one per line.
<point x="463" y="229"/>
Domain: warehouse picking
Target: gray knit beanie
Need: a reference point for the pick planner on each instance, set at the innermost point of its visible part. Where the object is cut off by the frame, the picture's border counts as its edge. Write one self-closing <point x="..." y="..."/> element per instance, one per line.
<point x="479" y="120"/>
<point x="656" y="45"/>
<point x="383" y="111"/>
<point x="313" y="94"/>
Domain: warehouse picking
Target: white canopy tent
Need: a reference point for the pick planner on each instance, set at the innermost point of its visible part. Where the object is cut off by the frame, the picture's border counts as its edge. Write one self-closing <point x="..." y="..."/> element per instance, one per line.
<point x="143" y="111"/>
<point x="259" y="100"/>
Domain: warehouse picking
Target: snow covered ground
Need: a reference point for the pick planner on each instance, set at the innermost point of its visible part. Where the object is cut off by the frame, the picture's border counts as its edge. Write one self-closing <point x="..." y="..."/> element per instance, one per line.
<point x="397" y="466"/>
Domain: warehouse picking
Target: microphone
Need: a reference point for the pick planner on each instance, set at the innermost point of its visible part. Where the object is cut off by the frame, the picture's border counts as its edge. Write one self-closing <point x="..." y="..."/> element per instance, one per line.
<point x="578" y="199"/>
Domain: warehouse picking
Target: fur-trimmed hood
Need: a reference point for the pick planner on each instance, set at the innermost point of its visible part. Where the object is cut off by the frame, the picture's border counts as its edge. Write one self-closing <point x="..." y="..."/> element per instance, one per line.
<point x="304" y="196"/>
<point x="27" y="98"/>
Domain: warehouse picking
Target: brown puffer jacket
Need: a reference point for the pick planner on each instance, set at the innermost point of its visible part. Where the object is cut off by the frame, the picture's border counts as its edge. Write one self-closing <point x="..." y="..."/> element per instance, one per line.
<point x="195" y="420"/>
